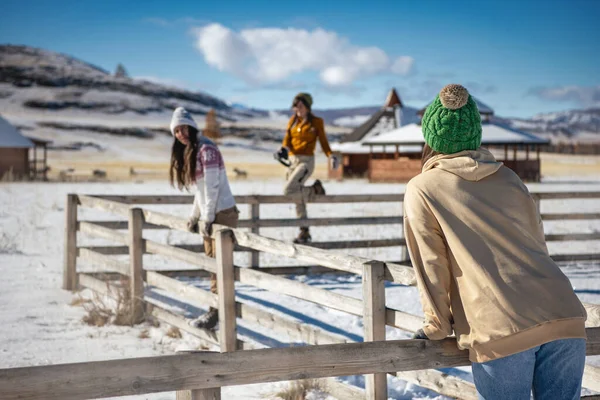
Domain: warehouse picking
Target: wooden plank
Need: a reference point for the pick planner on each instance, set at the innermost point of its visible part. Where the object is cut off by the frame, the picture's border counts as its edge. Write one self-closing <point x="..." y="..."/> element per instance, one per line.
<point x="255" y="216"/>
<point x="440" y="382"/>
<point x="164" y="219"/>
<point x="401" y="320"/>
<point x="202" y="394"/>
<point x="208" y="369"/>
<point x="591" y="378"/>
<point x="226" y="290"/>
<point x="373" y="290"/>
<point x="190" y="257"/>
<point x="575" y="257"/>
<point x="568" y="195"/>
<point x="70" y="255"/>
<point x="97" y="285"/>
<point x="110" y="263"/>
<point x="593" y="315"/>
<point x="300" y="290"/>
<point x="332" y="221"/>
<point x="103" y="233"/>
<point x="358" y="244"/>
<point x="570" y="216"/>
<point x="402" y="274"/>
<point x="343" y="391"/>
<point x="296" y="331"/>
<point x="209" y="337"/>
<point x="572" y="236"/>
<point x="185" y="291"/>
<point x="300" y="252"/>
<point x="123" y="225"/>
<point x="106" y="250"/>
<point x="136" y="264"/>
<point x="109" y="206"/>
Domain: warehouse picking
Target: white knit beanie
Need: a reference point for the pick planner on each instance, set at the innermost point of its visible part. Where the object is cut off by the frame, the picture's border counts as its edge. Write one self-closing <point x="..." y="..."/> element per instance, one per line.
<point x="181" y="116"/>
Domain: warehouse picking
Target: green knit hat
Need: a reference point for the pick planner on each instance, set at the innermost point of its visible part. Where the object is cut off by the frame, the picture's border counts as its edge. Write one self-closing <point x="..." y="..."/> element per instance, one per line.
<point x="452" y="122"/>
<point x="306" y="97"/>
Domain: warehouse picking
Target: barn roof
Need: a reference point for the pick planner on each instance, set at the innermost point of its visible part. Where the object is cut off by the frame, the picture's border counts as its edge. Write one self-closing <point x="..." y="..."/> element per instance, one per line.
<point x="493" y="134"/>
<point x="11" y="137"/>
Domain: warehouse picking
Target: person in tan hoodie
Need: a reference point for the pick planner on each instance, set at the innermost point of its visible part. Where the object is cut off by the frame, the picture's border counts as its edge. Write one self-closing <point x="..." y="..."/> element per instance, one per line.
<point x="477" y="245"/>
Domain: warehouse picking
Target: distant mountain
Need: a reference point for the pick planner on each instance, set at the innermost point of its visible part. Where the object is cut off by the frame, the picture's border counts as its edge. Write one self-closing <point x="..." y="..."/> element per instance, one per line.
<point x="36" y="79"/>
<point x="563" y="123"/>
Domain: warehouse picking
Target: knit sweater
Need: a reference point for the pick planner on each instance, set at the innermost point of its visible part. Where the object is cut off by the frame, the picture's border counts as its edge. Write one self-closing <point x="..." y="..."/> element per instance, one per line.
<point x="301" y="136"/>
<point x="213" y="193"/>
<point x="483" y="270"/>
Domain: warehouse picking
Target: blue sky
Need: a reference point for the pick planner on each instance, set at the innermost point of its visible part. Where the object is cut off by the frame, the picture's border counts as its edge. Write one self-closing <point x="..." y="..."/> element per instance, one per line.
<point x="520" y="57"/>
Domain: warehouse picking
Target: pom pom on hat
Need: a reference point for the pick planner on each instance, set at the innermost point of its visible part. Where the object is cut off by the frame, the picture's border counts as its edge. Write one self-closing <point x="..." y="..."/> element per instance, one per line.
<point x="452" y="122"/>
<point x="454" y="96"/>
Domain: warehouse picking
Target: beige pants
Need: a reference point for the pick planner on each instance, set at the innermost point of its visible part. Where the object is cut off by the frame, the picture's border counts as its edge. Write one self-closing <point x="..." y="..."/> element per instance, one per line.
<point x="228" y="217"/>
<point x="297" y="174"/>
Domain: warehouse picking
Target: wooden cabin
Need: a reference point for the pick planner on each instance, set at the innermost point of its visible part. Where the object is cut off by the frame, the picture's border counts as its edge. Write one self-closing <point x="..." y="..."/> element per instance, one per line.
<point x="520" y="151"/>
<point x="15" y="162"/>
<point x="354" y="156"/>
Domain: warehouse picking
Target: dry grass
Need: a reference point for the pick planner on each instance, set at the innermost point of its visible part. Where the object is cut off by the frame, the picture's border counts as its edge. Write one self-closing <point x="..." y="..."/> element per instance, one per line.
<point x="174" y="332"/>
<point x="298" y="390"/>
<point x="79" y="301"/>
<point x="145" y="334"/>
<point x="99" y="313"/>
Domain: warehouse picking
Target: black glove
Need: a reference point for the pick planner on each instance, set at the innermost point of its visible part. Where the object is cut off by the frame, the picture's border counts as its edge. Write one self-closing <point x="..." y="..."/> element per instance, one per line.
<point x="420" y="334"/>
<point x="282" y="153"/>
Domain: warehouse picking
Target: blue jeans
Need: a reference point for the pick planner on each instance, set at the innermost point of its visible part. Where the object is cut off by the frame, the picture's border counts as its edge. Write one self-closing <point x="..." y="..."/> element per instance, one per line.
<point x="553" y="371"/>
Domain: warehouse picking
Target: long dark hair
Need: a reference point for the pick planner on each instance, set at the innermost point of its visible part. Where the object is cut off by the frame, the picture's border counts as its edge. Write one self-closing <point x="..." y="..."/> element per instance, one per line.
<point x="182" y="171"/>
<point x="428" y="153"/>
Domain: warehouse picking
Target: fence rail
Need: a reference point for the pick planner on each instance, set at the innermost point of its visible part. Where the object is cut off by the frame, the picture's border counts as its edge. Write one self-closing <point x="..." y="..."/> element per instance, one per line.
<point x="371" y="308"/>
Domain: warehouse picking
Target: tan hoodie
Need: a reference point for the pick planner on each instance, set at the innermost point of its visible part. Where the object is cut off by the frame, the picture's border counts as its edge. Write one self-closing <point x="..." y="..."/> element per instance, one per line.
<point x="477" y="246"/>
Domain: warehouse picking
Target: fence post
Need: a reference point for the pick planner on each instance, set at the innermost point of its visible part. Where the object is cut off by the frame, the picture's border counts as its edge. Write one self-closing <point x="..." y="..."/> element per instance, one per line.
<point x="70" y="280"/>
<point x="373" y="283"/>
<point x="136" y="266"/>
<point x="227" y="314"/>
<point x="199" y="394"/>
<point x="255" y="255"/>
<point x="226" y="290"/>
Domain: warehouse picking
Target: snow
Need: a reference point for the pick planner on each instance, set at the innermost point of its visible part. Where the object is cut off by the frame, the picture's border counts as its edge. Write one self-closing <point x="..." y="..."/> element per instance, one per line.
<point x="39" y="326"/>
<point x="11" y="137"/>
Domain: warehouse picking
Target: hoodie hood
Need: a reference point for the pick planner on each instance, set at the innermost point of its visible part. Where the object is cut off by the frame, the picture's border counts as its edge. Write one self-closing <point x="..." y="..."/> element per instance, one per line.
<point x="471" y="165"/>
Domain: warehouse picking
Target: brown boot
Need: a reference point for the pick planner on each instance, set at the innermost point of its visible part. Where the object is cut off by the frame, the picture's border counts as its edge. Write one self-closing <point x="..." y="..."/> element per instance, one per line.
<point x="318" y="188"/>
<point x="303" y="237"/>
<point x="206" y="321"/>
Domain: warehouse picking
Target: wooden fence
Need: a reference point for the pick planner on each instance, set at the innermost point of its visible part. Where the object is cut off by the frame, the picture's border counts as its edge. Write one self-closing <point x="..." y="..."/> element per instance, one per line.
<point x="206" y="373"/>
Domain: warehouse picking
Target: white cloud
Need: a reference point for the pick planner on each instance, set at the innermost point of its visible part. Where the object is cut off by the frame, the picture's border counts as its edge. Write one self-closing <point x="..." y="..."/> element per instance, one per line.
<point x="583" y="95"/>
<point x="267" y="55"/>
<point x="403" y="65"/>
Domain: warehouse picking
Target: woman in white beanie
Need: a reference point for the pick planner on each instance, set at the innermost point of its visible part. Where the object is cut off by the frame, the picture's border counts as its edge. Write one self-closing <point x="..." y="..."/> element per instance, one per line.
<point x="196" y="160"/>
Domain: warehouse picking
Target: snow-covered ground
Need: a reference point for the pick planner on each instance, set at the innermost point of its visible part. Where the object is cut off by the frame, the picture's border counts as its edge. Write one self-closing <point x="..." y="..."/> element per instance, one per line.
<point x="39" y="326"/>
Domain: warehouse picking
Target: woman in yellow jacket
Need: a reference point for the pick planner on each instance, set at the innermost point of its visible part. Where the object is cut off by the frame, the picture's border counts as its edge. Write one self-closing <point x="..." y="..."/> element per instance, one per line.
<point x="299" y="142"/>
<point x="478" y="250"/>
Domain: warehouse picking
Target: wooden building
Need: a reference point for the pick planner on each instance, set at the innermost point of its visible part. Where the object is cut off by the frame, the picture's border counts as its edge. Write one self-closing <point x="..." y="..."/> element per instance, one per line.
<point x="389" y="162"/>
<point x="15" y="162"/>
<point x="354" y="156"/>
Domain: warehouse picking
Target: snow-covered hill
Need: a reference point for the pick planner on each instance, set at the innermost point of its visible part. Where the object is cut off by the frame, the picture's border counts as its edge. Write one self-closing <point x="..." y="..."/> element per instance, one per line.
<point x="34" y="79"/>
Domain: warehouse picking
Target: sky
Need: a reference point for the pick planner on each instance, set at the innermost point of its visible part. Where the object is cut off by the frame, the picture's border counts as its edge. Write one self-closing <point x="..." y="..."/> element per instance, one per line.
<point x="520" y="57"/>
